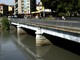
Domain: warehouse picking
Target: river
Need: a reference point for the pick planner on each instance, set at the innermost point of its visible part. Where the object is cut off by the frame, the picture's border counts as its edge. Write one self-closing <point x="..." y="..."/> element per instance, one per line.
<point x="23" y="47"/>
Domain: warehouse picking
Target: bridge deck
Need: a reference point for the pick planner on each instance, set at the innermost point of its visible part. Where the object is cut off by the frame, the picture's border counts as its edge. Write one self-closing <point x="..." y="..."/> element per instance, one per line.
<point x="70" y="26"/>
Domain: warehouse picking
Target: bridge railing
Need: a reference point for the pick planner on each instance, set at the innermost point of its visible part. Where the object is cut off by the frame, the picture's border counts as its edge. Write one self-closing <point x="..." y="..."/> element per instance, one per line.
<point x="61" y="23"/>
<point x="68" y="18"/>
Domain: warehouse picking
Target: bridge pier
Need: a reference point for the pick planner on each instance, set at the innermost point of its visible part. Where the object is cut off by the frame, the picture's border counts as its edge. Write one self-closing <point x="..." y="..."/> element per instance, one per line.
<point x="20" y="30"/>
<point x="40" y="39"/>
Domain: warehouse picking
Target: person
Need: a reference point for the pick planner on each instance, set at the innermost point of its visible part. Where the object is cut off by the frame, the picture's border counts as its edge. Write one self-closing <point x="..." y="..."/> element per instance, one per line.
<point x="36" y="17"/>
<point x="63" y="18"/>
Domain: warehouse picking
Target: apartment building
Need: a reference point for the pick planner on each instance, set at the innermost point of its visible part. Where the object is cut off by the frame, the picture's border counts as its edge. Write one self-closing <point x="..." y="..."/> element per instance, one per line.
<point x="19" y="7"/>
<point x="24" y="6"/>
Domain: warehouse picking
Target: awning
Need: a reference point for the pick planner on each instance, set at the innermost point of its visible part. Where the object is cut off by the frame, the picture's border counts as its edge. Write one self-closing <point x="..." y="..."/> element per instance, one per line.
<point x="35" y="12"/>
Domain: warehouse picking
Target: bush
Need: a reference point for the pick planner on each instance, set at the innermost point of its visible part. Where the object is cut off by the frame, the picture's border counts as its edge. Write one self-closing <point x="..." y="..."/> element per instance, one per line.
<point x="5" y="23"/>
<point x="61" y="14"/>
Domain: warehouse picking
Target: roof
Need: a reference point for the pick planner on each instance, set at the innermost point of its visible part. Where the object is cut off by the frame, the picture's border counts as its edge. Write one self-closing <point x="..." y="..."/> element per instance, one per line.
<point x="3" y="5"/>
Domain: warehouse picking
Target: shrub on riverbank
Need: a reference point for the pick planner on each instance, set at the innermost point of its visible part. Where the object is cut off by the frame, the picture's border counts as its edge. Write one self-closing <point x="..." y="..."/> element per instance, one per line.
<point x="5" y="23"/>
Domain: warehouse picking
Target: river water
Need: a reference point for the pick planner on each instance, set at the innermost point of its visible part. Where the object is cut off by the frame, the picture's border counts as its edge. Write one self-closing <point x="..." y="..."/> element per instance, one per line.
<point x="23" y="47"/>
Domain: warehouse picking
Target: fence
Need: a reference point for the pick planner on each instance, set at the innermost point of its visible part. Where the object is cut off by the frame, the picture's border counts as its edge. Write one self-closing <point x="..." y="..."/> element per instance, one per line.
<point x="68" y="18"/>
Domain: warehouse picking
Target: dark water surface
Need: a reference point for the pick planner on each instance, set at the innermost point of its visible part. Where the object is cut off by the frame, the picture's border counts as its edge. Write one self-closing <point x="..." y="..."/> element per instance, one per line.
<point x="23" y="47"/>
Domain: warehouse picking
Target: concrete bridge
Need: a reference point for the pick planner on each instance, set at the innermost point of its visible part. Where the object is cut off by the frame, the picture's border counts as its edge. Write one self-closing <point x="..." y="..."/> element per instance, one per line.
<point x="69" y="30"/>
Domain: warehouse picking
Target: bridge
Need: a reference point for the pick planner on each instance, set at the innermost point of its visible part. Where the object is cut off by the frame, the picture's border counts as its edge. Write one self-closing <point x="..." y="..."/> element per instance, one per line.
<point x="69" y="30"/>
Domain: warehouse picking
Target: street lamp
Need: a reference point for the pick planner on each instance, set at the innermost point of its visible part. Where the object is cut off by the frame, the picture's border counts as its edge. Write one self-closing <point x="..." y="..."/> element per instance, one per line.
<point x="44" y="12"/>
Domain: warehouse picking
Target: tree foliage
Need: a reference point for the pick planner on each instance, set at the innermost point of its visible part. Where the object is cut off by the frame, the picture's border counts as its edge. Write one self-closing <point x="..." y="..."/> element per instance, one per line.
<point x="63" y="7"/>
<point x="5" y="23"/>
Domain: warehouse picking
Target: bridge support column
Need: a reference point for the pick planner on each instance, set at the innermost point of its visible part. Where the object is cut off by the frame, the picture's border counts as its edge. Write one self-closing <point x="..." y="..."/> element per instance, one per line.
<point x="20" y="30"/>
<point x="40" y="39"/>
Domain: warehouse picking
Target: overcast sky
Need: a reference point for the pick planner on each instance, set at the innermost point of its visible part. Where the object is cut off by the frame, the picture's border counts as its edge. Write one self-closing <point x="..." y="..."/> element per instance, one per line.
<point x="10" y="2"/>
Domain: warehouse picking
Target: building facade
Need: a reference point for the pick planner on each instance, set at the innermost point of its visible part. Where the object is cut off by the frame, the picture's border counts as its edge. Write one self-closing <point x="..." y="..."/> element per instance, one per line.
<point x="6" y="10"/>
<point x="33" y="5"/>
<point x="10" y="10"/>
<point x="3" y="10"/>
<point x="19" y="7"/>
<point x="24" y="6"/>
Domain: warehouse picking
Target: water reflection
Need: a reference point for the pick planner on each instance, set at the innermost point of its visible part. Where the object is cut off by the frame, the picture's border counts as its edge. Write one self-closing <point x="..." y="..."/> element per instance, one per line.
<point x="5" y="36"/>
<point x="23" y="47"/>
<point x="9" y="50"/>
<point x="50" y="52"/>
<point x="41" y="51"/>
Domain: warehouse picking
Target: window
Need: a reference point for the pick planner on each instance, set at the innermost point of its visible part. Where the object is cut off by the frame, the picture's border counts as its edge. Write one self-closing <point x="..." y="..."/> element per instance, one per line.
<point x="28" y="0"/>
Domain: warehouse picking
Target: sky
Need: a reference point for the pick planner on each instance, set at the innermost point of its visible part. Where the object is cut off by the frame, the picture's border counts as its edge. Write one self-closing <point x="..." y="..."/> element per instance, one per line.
<point x="11" y="2"/>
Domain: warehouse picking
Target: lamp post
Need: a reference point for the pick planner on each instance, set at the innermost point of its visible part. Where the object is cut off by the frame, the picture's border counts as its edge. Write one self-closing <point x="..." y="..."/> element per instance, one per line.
<point x="40" y="12"/>
<point x="44" y="13"/>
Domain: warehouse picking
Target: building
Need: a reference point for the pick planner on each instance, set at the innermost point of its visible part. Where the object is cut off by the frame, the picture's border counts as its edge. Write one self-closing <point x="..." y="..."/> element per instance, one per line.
<point x="6" y="10"/>
<point x="10" y="10"/>
<point x="41" y="11"/>
<point x="19" y="7"/>
<point x="24" y="6"/>
<point x="33" y="5"/>
<point x="27" y="7"/>
<point x="3" y="10"/>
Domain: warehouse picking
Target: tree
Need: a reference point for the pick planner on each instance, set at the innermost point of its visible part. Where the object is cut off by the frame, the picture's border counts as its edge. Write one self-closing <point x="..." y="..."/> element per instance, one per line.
<point x="78" y="8"/>
<point x="50" y="4"/>
<point x="63" y="7"/>
<point x="5" y="23"/>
